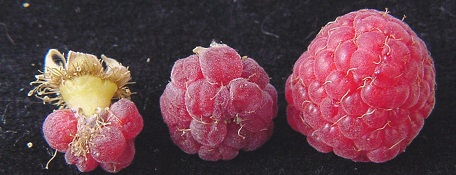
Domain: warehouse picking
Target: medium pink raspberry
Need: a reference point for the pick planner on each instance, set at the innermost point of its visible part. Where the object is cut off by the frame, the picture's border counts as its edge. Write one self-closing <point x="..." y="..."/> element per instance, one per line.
<point x="363" y="87"/>
<point x="218" y="103"/>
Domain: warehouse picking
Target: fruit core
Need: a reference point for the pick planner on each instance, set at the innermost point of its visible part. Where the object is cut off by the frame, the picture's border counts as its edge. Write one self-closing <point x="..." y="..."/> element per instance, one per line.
<point x="77" y="92"/>
<point x="81" y="82"/>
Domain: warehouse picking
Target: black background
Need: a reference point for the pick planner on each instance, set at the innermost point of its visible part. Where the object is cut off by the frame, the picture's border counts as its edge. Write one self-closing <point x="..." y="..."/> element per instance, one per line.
<point x="274" y="33"/>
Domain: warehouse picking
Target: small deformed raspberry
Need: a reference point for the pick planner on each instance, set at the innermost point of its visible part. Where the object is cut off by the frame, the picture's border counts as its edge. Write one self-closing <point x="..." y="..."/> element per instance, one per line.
<point x="88" y="128"/>
<point x="218" y="103"/>
<point x="363" y="87"/>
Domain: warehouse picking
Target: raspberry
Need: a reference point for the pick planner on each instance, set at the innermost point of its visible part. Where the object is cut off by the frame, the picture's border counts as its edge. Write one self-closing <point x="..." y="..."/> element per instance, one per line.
<point x="218" y="103"/>
<point x="91" y="131"/>
<point x="363" y="87"/>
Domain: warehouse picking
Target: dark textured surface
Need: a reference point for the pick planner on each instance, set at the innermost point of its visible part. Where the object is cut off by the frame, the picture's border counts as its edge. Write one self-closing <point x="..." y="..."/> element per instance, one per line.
<point x="274" y="33"/>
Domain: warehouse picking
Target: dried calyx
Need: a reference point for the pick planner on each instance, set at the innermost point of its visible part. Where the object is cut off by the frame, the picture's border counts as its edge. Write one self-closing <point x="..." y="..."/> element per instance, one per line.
<point x="81" y="82"/>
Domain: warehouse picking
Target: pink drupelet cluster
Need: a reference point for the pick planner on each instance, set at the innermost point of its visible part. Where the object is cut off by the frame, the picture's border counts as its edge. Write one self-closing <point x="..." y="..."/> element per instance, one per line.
<point x="218" y="103"/>
<point x="363" y="87"/>
<point x="105" y="140"/>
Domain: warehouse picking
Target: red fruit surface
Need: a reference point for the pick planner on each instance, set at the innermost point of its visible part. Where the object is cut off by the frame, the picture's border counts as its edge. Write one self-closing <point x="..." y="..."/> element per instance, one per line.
<point x="122" y="161"/>
<point x="218" y="103"/>
<point x="126" y="117"/>
<point x="363" y="87"/>
<point x="211" y="63"/>
<point x="59" y="128"/>
<point x="108" y="144"/>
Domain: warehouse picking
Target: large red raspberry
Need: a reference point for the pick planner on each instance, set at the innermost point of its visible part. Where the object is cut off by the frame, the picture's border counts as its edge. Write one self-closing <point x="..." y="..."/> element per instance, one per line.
<point x="218" y="103"/>
<point x="363" y="87"/>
